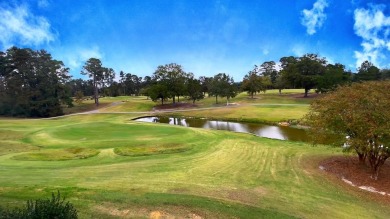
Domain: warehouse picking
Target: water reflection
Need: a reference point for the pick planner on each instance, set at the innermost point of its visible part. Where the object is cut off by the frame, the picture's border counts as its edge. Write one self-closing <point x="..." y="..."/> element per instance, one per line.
<point x="275" y="132"/>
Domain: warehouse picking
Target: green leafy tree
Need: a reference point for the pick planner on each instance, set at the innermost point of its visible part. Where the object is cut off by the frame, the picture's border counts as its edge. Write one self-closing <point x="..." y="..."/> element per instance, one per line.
<point x="94" y="69"/>
<point x="222" y="85"/>
<point x="253" y="82"/>
<point x="280" y="83"/>
<point x="173" y="77"/>
<point x="107" y="80"/>
<point x="385" y="74"/>
<point x="268" y="69"/>
<point x="122" y="81"/>
<point x="368" y="72"/>
<point x="158" y="92"/>
<point x="194" y="88"/>
<point x="333" y="76"/>
<point x="310" y="67"/>
<point x="360" y="113"/>
<point x="206" y="84"/>
<point x="32" y="84"/>
<point x="289" y="71"/>
<point x="303" y="71"/>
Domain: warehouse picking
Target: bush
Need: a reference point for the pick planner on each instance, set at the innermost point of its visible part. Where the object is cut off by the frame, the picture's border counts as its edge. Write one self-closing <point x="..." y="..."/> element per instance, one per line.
<point x="50" y="208"/>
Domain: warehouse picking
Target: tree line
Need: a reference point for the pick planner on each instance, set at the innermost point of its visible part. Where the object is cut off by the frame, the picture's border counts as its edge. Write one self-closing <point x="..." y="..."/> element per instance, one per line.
<point x="308" y="72"/>
<point x="33" y="84"/>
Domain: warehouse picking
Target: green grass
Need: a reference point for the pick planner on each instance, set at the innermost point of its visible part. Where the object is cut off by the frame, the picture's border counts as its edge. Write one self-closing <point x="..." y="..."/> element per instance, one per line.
<point x="58" y="154"/>
<point x="213" y="174"/>
<point x="151" y="149"/>
<point x="259" y="113"/>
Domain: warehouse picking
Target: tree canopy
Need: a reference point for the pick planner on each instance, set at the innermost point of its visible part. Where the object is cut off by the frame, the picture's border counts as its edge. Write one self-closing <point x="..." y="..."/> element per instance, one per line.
<point x="173" y="77"/>
<point x="32" y="84"/>
<point x="358" y="117"/>
<point x="222" y="85"/>
<point x="254" y="81"/>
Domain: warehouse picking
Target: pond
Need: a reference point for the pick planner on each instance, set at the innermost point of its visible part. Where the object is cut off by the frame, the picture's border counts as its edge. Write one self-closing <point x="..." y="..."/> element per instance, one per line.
<point x="268" y="131"/>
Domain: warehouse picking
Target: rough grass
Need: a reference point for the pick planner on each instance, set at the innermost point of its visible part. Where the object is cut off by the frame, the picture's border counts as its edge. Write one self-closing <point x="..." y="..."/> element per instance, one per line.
<point x="223" y="175"/>
<point x="58" y="154"/>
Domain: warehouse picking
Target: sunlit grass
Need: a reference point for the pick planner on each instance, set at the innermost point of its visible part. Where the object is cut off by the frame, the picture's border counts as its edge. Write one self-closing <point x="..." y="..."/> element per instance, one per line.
<point x="215" y="174"/>
<point x="144" y="104"/>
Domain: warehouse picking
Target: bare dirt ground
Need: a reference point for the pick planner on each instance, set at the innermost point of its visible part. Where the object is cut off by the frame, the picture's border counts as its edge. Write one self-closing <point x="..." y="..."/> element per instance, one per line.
<point x="348" y="169"/>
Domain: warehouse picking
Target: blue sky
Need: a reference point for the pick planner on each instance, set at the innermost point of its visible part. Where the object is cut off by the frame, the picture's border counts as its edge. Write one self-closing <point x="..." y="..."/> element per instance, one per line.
<point x="206" y="37"/>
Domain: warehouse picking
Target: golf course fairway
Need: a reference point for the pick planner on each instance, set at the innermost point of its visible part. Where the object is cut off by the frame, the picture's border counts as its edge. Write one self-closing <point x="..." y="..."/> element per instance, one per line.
<point x="109" y="166"/>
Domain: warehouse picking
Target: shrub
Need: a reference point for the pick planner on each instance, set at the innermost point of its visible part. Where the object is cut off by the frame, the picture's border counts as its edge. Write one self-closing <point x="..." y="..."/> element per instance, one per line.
<point x="50" y="208"/>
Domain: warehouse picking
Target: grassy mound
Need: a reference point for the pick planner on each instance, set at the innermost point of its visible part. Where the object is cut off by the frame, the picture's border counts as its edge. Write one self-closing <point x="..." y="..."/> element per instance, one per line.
<point x="144" y="150"/>
<point x="58" y="154"/>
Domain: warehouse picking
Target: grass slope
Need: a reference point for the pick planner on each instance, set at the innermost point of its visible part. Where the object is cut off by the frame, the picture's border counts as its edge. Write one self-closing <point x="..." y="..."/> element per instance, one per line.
<point x="213" y="174"/>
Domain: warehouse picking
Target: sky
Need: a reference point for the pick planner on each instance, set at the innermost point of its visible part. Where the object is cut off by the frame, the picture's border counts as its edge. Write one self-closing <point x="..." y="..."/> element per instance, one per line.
<point x="206" y="37"/>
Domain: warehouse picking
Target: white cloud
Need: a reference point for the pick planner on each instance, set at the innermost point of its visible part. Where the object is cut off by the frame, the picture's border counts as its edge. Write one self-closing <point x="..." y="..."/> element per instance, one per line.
<point x="373" y="26"/>
<point x="76" y="57"/>
<point x="314" y="18"/>
<point x="19" y="25"/>
<point x="298" y="50"/>
<point x="43" y="3"/>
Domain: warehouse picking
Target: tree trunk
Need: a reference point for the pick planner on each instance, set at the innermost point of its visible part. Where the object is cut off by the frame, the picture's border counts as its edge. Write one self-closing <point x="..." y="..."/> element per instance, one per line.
<point x="162" y="101"/>
<point x="174" y="100"/>
<point x="252" y="94"/>
<point x="178" y="98"/>
<point x="96" y="93"/>
<point x="306" y="92"/>
<point x="216" y="99"/>
<point x="362" y="158"/>
<point x="280" y="91"/>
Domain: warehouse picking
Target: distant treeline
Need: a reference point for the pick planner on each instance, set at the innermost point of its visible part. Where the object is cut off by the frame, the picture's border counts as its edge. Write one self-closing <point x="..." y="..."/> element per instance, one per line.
<point x="33" y="84"/>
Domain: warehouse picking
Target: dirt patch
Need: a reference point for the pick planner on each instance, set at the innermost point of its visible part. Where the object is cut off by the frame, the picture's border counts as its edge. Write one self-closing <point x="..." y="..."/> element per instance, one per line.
<point x="114" y="211"/>
<point x="175" y="106"/>
<point x="348" y="169"/>
<point x="134" y="212"/>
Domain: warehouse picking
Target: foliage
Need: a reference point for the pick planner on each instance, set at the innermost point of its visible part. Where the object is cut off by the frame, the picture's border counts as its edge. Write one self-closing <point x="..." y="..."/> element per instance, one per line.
<point x="32" y="84"/>
<point x="101" y="76"/>
<point x="368" y="72"/>
<point x="50" y="208"/>
<point x="333" y="76"/>
<point x="130" y="83"/>
<point x="194" y="88"/>
<point x="79" y="96"/>
<point x="158" y="91"/>
<point x="94" y="69"/>
<point x="268" y="70"/>
<point x="222" y="85"/>
<point x="172" y="77"/>
<point x="360" y="113"/>
<point x="255" y="82"/>
<point x="206" y="84"/>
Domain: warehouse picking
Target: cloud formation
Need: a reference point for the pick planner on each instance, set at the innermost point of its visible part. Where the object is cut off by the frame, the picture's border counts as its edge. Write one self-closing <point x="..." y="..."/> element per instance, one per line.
<point x="373" y="26"/>
<point x="314" y="18"/>
<point x="76" y="57"/>
<point x="19" y="25"/>
<point x="43" y="3"/>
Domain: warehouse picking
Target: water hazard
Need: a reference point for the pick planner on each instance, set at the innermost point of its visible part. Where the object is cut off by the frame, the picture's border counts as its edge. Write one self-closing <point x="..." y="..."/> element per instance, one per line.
<point x="268" y="131"/>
